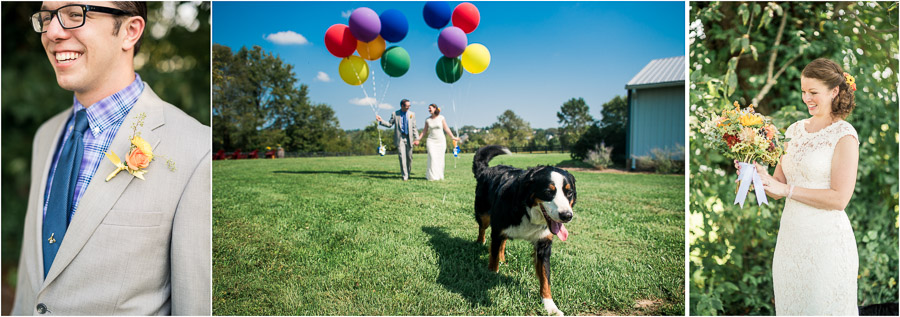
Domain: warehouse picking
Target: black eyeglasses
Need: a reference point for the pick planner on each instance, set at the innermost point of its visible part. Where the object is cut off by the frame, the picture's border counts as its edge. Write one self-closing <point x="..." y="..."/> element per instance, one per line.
<point x="69" y="16"/>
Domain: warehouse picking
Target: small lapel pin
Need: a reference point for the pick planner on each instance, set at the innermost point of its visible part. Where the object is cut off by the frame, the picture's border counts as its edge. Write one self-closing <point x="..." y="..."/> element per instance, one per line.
<point x="51" y="240"/>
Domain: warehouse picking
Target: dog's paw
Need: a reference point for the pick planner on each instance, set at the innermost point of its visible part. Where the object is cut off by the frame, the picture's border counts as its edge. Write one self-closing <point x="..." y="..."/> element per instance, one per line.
<point x="551" y="308"/>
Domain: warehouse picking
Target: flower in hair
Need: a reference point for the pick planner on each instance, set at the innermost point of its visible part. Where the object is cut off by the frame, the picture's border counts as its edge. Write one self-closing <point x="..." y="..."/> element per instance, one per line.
<point x="850" y="81"/>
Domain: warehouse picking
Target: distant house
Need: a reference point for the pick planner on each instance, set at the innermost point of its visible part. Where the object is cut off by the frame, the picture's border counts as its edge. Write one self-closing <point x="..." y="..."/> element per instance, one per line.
<point x="656" y="108"/>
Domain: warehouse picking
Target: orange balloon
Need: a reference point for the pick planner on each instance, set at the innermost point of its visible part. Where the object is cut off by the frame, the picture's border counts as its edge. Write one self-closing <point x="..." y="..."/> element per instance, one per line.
<point x="371" y="50"/>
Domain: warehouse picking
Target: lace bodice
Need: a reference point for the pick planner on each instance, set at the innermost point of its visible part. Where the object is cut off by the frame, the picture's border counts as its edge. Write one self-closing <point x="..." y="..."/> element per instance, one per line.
<point x="807" y="159"/>
<point x="435" y="128"/>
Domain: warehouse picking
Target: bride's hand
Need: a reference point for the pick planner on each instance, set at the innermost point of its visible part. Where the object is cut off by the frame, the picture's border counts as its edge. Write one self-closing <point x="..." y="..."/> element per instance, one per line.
<point x="771" y="185"/>
<point x="763" y="170"/>
<point x="737" y="166"/>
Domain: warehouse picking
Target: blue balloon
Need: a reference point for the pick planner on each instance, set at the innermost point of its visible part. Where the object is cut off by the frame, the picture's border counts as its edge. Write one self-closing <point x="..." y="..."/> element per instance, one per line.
<point x="393" y="25"/>
<point x="437" y="14"/>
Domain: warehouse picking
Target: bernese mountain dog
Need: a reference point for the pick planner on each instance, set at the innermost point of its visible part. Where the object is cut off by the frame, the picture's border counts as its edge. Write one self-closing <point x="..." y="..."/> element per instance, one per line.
<point x="530" y="204"/>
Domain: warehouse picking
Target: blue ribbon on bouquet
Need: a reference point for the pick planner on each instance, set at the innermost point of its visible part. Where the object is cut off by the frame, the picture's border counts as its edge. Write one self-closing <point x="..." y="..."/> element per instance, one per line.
<point x="748" y="176"/>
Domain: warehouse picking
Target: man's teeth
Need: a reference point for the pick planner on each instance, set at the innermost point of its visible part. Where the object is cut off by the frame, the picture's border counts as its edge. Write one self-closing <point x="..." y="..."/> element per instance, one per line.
<point x="65" y="56"/>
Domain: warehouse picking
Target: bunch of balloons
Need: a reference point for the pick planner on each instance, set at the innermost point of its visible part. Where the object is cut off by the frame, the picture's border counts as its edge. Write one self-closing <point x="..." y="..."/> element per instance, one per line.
<point x="453" y="42"/>
<point x="366" y="34"/>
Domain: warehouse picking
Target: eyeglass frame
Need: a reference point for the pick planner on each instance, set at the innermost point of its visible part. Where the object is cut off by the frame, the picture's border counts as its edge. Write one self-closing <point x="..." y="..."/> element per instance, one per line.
<point x="85" y="8"/>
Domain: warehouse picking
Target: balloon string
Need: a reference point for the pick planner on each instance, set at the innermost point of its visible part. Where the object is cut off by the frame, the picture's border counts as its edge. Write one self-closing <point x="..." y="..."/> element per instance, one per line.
<point x="372" y="104"/>
<point x="455" y="121"/>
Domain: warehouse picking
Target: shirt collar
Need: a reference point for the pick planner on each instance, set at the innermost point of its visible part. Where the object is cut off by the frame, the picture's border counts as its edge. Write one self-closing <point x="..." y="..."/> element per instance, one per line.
<point x="110" y="111"/>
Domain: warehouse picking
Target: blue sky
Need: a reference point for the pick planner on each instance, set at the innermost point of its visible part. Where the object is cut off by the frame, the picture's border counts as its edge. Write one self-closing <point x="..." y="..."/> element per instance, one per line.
<point x="542" y="54"/>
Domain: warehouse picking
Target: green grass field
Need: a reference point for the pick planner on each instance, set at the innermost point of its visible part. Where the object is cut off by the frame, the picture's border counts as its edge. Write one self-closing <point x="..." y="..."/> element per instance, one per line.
<point x="345" y="236"/>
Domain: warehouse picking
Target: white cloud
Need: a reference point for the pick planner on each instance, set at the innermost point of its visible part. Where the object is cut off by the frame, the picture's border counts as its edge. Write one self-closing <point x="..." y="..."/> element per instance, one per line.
<point x="346" y="14"/>
<point x="286" y="38"/>
<point x="322" y="76"/>
<point x="367" y="102"/>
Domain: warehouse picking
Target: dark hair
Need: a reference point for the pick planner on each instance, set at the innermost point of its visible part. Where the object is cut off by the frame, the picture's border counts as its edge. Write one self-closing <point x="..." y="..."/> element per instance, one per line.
<point x="437" y="110"/>
<point x="134" y="8"/>
<point x="403" y="101"/>
<point x="832" y="75"/>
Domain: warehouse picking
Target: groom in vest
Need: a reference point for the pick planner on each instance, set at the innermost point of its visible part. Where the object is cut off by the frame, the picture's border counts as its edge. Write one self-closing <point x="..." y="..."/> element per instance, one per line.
<point x="405" y="135"/>
<point x="94" y="245"/>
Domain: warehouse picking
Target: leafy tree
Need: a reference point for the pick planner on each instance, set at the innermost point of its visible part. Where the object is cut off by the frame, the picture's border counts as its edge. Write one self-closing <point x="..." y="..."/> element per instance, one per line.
<point x="575" y="118"/>
<point x="610" y="131"/>
<point x="612" y="126"/>
<point x="258" y="102"/>
<point x="753" y="52"/>
<point x="544" y="138"/>
<point x="510" y="130"/>
<point x="365" y="141"/>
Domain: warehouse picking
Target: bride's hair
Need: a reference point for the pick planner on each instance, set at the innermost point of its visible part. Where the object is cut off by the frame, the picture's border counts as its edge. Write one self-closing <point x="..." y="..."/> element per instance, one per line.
<point x="437" y="110"/>
<point x="832" y="75"/>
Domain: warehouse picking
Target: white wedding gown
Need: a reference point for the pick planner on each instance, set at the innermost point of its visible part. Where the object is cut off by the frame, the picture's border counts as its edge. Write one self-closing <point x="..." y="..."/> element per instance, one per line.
<point x="815" y="264"/>
<point x="436" y="144"/>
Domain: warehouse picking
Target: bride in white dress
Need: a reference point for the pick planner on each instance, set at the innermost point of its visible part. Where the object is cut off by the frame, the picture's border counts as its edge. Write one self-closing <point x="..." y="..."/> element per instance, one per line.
<point x="435" y="143"/>
<point x="816" y="263"/>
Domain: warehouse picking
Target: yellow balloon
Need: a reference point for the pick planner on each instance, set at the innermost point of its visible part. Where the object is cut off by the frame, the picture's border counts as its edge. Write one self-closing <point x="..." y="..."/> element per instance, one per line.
<point x="354" y="70"/>
<point x="476" y="58"/>
<point x="372" y="50"/>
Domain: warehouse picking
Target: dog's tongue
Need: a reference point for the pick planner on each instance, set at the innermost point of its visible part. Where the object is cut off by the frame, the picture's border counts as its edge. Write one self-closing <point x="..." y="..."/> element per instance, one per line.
<point x="559" y="230"/>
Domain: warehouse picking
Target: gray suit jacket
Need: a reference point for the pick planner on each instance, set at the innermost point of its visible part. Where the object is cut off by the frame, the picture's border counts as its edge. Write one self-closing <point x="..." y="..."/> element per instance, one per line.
<point x="397" y="120"/>
<point x="133" y="247"/>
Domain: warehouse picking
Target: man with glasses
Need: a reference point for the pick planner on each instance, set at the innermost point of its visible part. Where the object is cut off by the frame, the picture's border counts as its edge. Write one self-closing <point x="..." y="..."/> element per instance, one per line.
<point x="118" y="245"/>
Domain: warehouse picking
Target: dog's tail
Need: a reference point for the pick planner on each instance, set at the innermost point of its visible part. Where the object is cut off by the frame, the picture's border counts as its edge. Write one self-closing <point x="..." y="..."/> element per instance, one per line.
<point x="484" y="155"/>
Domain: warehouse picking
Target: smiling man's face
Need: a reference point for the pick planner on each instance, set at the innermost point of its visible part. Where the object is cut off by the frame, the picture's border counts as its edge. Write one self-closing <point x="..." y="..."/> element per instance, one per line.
<point x="83" y="57"/>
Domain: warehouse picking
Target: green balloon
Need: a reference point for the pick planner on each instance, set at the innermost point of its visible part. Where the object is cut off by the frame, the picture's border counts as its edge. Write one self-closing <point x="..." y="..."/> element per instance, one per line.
<point x="449" y="70"/>
<point x="395" y="61"/>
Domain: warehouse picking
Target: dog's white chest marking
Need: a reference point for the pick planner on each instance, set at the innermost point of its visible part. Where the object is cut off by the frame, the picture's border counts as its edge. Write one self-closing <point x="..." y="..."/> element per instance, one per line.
<point x="526" y="230"/>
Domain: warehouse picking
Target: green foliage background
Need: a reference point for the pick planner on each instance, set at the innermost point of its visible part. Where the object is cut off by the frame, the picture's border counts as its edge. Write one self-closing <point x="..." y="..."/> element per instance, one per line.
<point x="174" y="60"/>
<point x="754" y="53"/>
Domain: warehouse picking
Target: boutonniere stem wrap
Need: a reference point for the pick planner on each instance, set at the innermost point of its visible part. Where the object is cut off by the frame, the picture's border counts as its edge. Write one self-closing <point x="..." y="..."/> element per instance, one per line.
<point x="140" y="154"/>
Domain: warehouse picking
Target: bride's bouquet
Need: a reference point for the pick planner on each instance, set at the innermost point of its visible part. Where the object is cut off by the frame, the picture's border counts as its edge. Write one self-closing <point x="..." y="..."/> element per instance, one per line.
<point x="746" y="136"/>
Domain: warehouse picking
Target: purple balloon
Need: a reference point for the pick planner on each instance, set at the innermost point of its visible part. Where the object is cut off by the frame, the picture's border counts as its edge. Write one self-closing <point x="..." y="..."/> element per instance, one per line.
<point x="365" y="24"/>
<point x="452" y="42"/>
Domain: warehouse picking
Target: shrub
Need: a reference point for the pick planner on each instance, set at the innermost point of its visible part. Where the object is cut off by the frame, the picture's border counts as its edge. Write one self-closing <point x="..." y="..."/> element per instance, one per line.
<point x="644" y="163"/>
<point x="599" y="157"/>
<point x="668" y="162"/>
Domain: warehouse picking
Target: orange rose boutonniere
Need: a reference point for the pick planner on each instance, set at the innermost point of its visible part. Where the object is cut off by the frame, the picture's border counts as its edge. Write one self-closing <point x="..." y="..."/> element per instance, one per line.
<point x="140" y="154"/>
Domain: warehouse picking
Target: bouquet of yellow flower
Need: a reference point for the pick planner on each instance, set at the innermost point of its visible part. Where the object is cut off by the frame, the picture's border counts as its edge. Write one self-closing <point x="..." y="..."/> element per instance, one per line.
<point x="746" y="136"/>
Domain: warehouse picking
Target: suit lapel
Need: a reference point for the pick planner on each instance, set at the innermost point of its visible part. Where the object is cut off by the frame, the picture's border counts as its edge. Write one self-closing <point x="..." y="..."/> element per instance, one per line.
<point x="100" y="195"/>
<point x="47" y="152"/>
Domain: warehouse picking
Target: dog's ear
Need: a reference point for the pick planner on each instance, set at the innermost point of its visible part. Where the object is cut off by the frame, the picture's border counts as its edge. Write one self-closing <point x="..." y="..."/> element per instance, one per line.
<point x="525" y="190"/>
<point x="571" y="180"/>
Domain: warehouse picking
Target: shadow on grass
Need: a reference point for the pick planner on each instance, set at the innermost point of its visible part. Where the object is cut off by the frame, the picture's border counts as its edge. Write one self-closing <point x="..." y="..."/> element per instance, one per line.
<point x="369" y="174"/>
<point x="462" y="270"/>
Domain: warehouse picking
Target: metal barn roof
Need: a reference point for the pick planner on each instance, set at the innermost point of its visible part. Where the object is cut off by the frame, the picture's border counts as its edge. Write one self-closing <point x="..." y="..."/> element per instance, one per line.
<point x="663" y="72"/>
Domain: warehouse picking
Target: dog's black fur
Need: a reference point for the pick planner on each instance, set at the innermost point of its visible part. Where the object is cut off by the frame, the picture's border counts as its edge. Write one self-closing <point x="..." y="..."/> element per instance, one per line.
<point x="508" y="199"/>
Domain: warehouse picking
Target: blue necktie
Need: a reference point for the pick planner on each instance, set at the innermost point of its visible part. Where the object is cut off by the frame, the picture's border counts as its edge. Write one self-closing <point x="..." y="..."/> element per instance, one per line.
<point x="405" y="124"/>
<point x="62" y="191"/>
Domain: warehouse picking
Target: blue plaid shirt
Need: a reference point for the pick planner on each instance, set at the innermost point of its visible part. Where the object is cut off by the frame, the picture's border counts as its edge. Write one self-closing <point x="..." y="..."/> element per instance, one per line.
<point x="104" y="119"/>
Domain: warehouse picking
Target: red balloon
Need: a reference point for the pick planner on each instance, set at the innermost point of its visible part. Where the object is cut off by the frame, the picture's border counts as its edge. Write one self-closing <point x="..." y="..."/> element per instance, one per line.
<point x="339" y="41"/>
<point x="466" y="17"/>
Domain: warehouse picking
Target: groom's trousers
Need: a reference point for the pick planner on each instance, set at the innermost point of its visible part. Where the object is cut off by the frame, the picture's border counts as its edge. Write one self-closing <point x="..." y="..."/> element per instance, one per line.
<point x="404" y="152"/>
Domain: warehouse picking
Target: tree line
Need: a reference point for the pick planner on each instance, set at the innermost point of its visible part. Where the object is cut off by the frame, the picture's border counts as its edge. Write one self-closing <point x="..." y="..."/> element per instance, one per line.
<point x="259" y="103"/>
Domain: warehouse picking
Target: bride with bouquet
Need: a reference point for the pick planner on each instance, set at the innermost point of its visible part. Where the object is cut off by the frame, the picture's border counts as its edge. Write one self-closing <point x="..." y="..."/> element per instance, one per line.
<point x="815" y="265"/>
